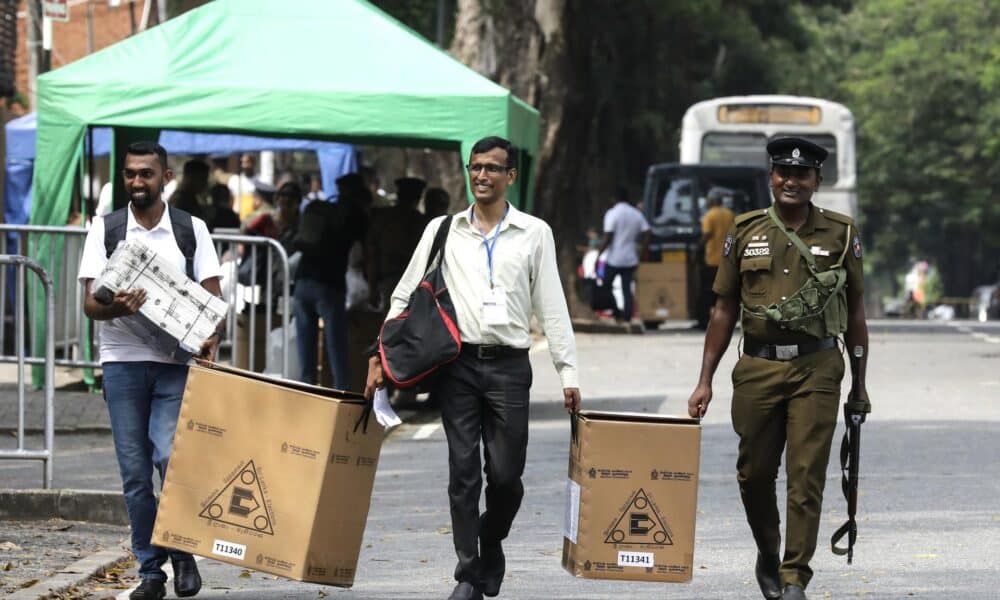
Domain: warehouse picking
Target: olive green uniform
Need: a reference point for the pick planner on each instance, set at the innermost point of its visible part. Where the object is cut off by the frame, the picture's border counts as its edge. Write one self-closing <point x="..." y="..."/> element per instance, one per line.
<point x="793" y="401"/>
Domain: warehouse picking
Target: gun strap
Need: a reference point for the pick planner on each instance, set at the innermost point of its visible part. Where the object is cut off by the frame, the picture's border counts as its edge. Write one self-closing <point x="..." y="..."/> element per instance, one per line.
<point x="848" y="462"/>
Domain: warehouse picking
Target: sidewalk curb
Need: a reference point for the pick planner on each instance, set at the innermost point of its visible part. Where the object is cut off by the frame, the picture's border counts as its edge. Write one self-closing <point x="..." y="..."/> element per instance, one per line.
<point x="599" y="326"/>
<point x="69" y="577"/>
<point x="71" y="505"/>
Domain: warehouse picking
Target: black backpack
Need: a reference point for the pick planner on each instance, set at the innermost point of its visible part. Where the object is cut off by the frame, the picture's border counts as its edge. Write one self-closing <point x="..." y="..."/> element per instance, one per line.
<point x="180" y="221"/>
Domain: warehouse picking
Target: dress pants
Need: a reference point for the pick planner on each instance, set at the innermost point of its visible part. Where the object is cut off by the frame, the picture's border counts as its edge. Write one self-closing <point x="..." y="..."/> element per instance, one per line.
<point x="775" y="403"/>
<point x="627" y="274"/>
<point x="483" y="399"/>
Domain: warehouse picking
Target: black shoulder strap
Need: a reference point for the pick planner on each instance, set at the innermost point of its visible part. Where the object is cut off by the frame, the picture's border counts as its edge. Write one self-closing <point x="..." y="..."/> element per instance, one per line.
<point x="183" y="228"/>
<point x="114" y="229"/>
<point x="439" y="241"/>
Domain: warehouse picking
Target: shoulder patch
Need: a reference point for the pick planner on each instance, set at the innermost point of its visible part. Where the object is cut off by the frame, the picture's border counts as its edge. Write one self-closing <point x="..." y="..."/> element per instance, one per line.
<point x="727" y="247"/>
<point x="750" y="216"/>
<point x="856" y="244"/>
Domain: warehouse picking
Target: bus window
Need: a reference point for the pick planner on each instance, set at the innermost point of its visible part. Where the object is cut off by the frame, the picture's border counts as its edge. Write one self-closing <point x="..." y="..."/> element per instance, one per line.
<point x="677" y="204"/>
<point x="829" y="143"/>
<point x="720" y="148"/>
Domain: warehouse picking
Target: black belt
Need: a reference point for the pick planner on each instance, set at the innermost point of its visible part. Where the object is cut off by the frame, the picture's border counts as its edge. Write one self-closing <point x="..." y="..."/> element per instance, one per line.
<point x="491" y="351"/>
<point x="787" y="352"/>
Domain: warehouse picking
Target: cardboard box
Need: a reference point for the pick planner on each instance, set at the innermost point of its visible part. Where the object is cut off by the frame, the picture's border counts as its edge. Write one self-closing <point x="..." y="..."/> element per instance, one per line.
<point x="178" y="315"/>
<point x="632" y="495"/>
<point x="271" y="475"/>
<point x="661" y="291"/>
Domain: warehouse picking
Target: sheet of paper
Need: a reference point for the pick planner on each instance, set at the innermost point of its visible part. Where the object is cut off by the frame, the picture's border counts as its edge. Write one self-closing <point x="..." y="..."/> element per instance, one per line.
<point x="384" y="414"/>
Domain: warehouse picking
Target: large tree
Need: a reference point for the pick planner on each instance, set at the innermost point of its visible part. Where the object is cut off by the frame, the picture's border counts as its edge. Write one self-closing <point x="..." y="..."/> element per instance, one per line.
<point x="923" y="80"/>
<point x="613" y="79"/>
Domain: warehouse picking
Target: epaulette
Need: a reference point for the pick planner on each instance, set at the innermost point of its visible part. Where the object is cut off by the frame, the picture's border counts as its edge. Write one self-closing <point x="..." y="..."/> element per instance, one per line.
<point x="750" y="216"/>
<point x="838" y="217"/>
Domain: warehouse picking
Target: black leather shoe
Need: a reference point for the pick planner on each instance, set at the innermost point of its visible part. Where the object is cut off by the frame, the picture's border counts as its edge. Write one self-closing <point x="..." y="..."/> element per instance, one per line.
<point x="766" y="571"/>
<point x="793" y="592"/>
<point x="494" y="565"/>
<point x="149" y="589"/>
<point x="187" y="581"/>
<point x="465" y="591"/>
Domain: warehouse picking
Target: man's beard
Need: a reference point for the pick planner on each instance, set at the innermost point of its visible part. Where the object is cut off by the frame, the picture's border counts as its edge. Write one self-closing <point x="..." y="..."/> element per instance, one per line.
<point x="143" y="200"/>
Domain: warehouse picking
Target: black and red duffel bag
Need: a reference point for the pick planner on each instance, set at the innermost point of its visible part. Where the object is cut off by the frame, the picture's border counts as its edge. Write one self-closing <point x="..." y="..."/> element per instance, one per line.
<point x="425" y="336"/>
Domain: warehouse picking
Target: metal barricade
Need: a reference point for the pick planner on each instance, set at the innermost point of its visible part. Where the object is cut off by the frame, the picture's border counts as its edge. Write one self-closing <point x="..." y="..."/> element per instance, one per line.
<point x="256" y="295"/>
<point x="22" y="264"/>
<point x="72" y="333"/>
<point x="65" y="247"/>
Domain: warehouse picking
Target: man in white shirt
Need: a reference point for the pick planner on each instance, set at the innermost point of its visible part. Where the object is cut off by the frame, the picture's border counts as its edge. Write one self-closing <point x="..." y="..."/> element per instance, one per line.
<point x="623" y="227"/>
<point x="143" y="386"/>
<point x="500" y="268"/>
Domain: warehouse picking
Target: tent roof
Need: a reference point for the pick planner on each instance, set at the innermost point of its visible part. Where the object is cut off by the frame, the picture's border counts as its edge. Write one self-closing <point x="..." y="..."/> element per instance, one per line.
<point x="342" y="70"/>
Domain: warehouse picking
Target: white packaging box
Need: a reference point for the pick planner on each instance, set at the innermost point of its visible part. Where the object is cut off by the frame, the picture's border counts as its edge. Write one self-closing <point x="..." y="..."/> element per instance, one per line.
<point x="178" y="315"/>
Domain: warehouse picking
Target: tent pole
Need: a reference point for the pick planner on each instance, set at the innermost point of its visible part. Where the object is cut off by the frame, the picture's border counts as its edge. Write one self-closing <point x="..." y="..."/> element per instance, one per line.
<point x="90" y="209"/>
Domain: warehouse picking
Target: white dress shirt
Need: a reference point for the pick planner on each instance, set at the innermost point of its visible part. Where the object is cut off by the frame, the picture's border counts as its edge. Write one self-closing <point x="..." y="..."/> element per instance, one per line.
<point x="118" y="344"/>
<point x="524" y="265"/>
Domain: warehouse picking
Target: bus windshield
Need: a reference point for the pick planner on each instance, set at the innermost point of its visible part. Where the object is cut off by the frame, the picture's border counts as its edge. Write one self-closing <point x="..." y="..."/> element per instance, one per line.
<point x="723" y="148"/>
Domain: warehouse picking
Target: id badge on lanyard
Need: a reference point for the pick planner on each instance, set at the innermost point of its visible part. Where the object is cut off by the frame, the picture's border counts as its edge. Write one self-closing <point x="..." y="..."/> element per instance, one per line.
<point x="494" y="308"/>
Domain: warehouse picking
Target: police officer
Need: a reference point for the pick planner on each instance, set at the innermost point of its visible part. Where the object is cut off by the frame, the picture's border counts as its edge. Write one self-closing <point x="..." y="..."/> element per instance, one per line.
<point x="795" y="270"/>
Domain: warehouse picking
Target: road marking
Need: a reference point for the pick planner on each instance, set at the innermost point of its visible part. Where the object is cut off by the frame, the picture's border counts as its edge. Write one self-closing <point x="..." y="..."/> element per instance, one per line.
<point x="167" y="568"/>
<point x="985" y="337"/>
<point x="425" y="431"/>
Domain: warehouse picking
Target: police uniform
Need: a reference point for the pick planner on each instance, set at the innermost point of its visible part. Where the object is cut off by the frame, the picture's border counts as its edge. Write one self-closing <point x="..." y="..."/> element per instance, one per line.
<point x="786" y="385"/>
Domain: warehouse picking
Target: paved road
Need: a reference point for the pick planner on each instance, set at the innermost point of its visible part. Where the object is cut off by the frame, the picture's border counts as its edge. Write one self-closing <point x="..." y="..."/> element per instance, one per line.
<point x="929" y="525"/>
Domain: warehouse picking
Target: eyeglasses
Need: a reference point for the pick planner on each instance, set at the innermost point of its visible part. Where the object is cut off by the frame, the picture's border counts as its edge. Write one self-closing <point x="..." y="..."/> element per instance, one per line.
<point x="491" y="168"/>
<point x="141" y="173"/>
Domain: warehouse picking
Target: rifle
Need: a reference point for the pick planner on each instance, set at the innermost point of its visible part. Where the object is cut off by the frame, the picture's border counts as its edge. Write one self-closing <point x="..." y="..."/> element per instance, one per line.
<point x="850" y="465"/>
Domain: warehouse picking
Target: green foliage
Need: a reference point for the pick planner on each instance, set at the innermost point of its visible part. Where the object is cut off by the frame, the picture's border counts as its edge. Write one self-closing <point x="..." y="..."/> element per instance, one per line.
<point x="922" y="78"/>
<point x="422" y="16"/>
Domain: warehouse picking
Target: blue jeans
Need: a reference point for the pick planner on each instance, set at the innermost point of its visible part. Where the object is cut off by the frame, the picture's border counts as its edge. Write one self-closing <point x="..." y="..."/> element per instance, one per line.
<point x="315" y="299"/>
<point x="144" y="399"/>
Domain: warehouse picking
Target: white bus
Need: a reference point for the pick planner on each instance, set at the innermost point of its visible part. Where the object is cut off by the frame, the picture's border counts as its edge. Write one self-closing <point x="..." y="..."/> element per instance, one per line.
<point x="735" y="130"/>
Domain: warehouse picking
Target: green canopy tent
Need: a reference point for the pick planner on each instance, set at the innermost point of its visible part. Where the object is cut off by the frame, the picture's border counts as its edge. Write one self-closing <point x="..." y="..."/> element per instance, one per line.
<point x="340" y="70"/>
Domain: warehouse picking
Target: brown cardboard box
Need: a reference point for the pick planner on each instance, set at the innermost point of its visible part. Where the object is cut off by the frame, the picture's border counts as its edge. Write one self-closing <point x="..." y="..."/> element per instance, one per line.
<point x="661" y="291"/>
<point x="631" y="497"/>
<point x="270" y="474"/>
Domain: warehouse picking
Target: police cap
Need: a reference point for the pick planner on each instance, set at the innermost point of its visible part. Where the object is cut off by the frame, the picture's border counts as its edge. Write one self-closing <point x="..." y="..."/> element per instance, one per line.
<point x="797" y="152"/>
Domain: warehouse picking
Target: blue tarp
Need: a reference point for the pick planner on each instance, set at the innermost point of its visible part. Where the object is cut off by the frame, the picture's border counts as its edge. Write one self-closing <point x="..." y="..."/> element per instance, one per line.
<point x="334" y="159"/>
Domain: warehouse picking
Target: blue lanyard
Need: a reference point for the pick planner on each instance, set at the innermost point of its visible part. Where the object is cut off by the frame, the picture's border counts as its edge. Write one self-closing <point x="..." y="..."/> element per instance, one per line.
<point x="490" y="243"/>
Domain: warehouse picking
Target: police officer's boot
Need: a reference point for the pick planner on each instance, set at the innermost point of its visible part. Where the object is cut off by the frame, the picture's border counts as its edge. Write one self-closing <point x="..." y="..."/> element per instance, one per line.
<point x="766" y="571"/>
<point x="793" y="592"/>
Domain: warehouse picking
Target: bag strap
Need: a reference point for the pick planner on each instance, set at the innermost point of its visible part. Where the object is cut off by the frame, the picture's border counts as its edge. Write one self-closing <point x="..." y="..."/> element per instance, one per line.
<point x="439" y="242"/>
<point x="183" y="228"/>
<point x="791" y="235"/>
<point x="803" y="249"/>
<point x="114" y="230"/>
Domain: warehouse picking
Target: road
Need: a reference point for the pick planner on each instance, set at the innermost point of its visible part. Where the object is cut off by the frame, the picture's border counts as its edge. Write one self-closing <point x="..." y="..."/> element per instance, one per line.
<point x="929" y="518"/>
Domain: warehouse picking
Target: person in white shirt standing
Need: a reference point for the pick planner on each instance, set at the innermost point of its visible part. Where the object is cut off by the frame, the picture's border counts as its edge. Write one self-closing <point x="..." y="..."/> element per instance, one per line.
<point x="500" y="268"/>
<point x="142" y="385"/>
<point x="624" y="225"/>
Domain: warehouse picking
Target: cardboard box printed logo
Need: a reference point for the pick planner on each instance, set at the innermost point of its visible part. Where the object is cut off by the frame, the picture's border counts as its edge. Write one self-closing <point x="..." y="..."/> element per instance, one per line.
<point x="241" y="503"/>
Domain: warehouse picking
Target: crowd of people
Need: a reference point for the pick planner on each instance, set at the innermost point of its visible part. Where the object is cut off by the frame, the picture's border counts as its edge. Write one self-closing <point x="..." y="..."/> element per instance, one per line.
<point x="346" y="250"/>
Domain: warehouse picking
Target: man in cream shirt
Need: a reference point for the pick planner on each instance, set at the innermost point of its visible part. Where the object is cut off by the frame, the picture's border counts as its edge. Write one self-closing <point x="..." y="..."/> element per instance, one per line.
<point x="500" y="267"/>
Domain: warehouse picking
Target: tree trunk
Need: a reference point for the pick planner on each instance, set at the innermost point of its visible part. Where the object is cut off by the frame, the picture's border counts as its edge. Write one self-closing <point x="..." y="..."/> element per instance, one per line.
<point x="528" y="47"/>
